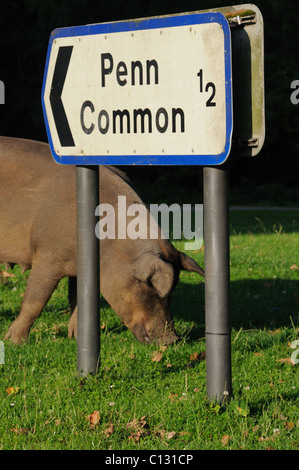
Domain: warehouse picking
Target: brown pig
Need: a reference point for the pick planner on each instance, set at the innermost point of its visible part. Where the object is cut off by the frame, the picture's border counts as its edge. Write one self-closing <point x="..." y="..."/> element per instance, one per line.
<point x="38" y="232"/>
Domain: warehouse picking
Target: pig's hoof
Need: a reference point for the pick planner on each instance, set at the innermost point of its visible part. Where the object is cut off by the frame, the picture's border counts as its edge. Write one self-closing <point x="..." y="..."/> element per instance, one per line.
<point x="16" y="334"/>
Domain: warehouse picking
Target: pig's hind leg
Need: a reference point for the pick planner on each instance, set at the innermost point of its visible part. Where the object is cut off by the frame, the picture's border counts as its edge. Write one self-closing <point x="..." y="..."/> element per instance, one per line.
<point x="72" y="329"/>
<point x="41" y="283"/>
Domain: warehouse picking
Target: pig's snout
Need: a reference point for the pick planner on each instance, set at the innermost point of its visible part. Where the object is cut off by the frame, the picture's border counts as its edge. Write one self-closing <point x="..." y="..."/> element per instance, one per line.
<point x="162" y="334"/>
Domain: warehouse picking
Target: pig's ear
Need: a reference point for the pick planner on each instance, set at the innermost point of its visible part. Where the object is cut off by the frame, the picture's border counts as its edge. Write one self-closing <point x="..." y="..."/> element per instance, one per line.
<point x="153" y="270"/>
<point x="188" y="264"/>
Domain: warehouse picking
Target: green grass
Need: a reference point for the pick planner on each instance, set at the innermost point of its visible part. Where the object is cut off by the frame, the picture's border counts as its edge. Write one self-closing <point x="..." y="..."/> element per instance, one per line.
<point x="162" y="404"/>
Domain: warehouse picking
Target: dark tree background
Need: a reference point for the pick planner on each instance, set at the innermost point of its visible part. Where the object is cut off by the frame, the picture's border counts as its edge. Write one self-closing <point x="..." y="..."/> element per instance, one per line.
<point x="25" y="27"/>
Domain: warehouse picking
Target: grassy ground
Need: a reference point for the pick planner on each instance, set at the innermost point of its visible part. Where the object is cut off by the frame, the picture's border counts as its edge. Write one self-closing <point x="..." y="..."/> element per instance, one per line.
<point x="146" y="397"/>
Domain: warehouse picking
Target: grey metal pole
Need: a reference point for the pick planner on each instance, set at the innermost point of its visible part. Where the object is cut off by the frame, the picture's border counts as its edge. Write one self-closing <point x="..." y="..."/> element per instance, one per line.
<point x="217" y="281"/>
<point x="88" y="272"/>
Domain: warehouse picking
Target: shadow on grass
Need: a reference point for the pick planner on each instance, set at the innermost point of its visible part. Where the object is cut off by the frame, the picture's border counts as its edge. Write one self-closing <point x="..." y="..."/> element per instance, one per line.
<point x="266" y="303"/>
<point x="258" y="304"/>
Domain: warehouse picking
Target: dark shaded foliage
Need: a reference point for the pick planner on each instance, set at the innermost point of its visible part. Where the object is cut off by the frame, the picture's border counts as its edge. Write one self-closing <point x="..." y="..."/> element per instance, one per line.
<point x="26" y="25"/>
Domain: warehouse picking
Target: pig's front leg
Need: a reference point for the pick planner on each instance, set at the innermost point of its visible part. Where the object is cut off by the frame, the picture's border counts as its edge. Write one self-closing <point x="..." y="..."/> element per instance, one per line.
<point x="72" y="329"/>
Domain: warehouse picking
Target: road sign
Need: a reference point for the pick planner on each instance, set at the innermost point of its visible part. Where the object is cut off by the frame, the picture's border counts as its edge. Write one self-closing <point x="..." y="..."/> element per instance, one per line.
<point x="152" y="91"/>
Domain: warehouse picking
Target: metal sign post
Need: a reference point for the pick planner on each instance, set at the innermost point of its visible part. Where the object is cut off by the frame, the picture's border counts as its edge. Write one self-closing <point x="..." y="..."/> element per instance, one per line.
<point x="88" y="271"/>
<point x="217" y="280"/>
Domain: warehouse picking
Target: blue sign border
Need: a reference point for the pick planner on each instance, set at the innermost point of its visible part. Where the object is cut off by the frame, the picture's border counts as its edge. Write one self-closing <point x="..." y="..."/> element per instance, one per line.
<point x="136" y="25"/>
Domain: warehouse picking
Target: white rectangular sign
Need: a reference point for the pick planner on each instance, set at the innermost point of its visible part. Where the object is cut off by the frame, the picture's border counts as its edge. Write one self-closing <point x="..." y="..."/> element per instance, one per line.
<point x="154" y="91"/>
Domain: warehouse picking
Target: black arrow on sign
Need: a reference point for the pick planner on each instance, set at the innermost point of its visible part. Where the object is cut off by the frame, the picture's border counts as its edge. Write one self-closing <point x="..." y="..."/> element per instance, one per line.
<point x="60" y="71"/>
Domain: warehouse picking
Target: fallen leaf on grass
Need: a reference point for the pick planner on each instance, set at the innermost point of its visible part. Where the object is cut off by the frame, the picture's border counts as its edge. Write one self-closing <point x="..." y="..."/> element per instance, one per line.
<point x="173" y="396"/>
<point x="137" y="427"/>
<point x="285" y="360"/>
<point x="136" y="435"/>
<point x="165" y="434"/>
<point x="136" y="423"/>
<point x="157" y="356"/>
<point x="269" y="439"/>
<point x="12" y="390"/>
<point x="94" y="418"/>
<point x="170" y="435"/>
<point x="294" y="267"/>
<point x="19" y="431"/>
<point x="109" y="430"/>
<point x="289" y="425"/>
<point x="198" y="356"/>
<point x="225" y="440"/>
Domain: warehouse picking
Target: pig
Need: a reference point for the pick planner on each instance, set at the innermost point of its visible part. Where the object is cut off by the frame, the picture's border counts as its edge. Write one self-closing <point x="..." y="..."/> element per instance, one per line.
<point x="38" y="232"/>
